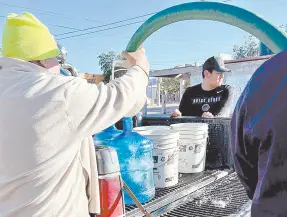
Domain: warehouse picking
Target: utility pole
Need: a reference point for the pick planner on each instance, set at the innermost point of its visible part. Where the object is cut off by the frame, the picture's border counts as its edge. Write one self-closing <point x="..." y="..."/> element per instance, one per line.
<point x="164" y="98"/>
<point x="181" y="87"/>
<point x="151" y="90"/>
<point x="159" y="80"/>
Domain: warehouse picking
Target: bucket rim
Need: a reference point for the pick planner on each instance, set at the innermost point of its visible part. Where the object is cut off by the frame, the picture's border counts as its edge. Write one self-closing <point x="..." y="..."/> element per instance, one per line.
<point x="159" y="133"/>
<point x="192" y="130"/>
<point x="189" y="125"/>
<point x="152" y="127"/>
<point x="193" y="134"/>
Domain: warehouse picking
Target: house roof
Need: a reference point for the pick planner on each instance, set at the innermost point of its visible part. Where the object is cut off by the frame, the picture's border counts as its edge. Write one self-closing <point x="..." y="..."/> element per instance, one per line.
<point x="173" y="72"/>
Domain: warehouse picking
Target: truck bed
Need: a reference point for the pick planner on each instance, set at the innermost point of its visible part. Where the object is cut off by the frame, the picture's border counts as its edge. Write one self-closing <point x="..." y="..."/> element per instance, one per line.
<point x="212" y="193"/>
<point x="207" y="194"/>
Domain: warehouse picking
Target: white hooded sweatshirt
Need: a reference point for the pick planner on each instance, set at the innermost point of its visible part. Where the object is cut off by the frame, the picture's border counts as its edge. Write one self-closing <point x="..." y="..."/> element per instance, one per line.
<point x="47" y="157"/>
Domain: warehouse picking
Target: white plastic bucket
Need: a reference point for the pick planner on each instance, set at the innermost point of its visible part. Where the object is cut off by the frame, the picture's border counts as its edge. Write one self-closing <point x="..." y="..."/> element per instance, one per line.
<point x="147" y="128"/>
<point x="192" y="155"/>
<point x="192" y="146"/>
<point x="165" y="170"/>
<point x="165" y="155"/>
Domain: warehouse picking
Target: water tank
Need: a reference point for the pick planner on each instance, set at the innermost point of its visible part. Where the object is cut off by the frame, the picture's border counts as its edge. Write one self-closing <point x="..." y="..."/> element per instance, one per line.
<point x="136" y="162"/>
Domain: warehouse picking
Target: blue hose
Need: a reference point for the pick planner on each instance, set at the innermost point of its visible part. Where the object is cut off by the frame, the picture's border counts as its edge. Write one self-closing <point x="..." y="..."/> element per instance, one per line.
<point x="269" y="34"/>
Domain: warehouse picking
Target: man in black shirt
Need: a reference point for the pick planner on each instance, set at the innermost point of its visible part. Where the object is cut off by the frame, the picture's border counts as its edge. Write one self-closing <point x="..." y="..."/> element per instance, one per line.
<point x="210" y="98"/>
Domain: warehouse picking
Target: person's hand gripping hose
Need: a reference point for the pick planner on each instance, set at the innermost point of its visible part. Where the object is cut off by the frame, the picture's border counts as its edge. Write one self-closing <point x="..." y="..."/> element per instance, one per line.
<point x="137" y="58"/>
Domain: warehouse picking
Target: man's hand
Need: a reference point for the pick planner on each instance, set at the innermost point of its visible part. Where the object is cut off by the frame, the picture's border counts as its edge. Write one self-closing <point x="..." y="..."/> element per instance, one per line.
<point x="207" y="115"/>
<point x="137" y="58"/>
<point x="176" y="113"/>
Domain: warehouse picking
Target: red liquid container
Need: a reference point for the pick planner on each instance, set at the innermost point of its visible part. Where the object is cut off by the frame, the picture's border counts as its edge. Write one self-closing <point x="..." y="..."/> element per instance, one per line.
<point x="111" y="194"/>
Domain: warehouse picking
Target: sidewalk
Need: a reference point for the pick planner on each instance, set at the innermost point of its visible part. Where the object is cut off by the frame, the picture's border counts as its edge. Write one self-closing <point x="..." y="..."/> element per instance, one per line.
<point x="167" y="105"/>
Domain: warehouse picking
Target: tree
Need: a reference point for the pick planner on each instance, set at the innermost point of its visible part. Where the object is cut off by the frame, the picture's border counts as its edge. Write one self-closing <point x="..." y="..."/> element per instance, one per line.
<point x="249" y="49"/>
<point x="171" y="85"/>
<point x="106" y="61"/>
<point x="186" y="84"/>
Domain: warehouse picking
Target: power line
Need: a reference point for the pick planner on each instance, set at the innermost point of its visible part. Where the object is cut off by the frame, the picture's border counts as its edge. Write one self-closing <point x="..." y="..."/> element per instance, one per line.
<point x="72" y="28"/>
<point x="64" y="27"/>
<point x="48" y="12"/>
<point x="198" y="43"/>
<point x="61" y="26"/>
<point x="107" y="24"/>
<point x="87" y="33"/>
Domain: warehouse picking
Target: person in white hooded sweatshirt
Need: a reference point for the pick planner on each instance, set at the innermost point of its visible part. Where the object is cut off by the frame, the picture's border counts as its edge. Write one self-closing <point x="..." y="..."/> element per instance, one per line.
<point x="48" y="163"/>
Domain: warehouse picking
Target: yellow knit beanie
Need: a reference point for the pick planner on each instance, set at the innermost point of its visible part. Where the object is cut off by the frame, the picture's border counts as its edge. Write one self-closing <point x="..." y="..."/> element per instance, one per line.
<point x="26" y="38"/>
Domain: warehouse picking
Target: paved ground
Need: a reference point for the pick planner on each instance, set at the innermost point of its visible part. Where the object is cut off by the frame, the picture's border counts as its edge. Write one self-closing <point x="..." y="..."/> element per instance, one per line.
<point x="151" y="110"/>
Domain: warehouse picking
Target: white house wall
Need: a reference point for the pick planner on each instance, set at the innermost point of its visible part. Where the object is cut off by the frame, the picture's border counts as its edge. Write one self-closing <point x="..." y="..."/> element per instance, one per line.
<point x="238" y="67"/>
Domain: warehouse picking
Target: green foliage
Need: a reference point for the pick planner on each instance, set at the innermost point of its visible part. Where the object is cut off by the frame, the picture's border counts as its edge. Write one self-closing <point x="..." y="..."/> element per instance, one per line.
<point x="106" y="61"/>
<point x="249" y="49"/>
<point x="171" y="85"/>
<point x="186" y="84"/>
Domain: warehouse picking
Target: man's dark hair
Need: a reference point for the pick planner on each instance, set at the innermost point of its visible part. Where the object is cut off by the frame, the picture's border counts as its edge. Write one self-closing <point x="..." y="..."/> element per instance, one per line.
<point x="210" y="70"/>
<point x="213" y="63"/>
<point x="209" y="65"/>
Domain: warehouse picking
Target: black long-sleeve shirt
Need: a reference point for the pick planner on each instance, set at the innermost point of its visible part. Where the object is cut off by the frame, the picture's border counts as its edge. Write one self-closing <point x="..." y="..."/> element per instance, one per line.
<point x="259" y="138"/>
<point x="195" y="101"/>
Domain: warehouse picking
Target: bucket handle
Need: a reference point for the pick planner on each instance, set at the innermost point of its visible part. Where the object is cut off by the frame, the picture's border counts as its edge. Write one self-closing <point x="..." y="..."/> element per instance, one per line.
<point x="144" y="211"/>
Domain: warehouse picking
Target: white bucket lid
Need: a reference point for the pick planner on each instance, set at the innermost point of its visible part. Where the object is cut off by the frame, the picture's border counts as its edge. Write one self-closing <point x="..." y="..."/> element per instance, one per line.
<point x="145" y="128"/>
<point x="189" y="126"/>
<point x="159" y="132"/>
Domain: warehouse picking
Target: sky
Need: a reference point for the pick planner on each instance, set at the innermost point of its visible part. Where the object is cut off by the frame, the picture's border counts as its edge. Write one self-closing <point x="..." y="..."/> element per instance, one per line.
<point x="185" y="42"/>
